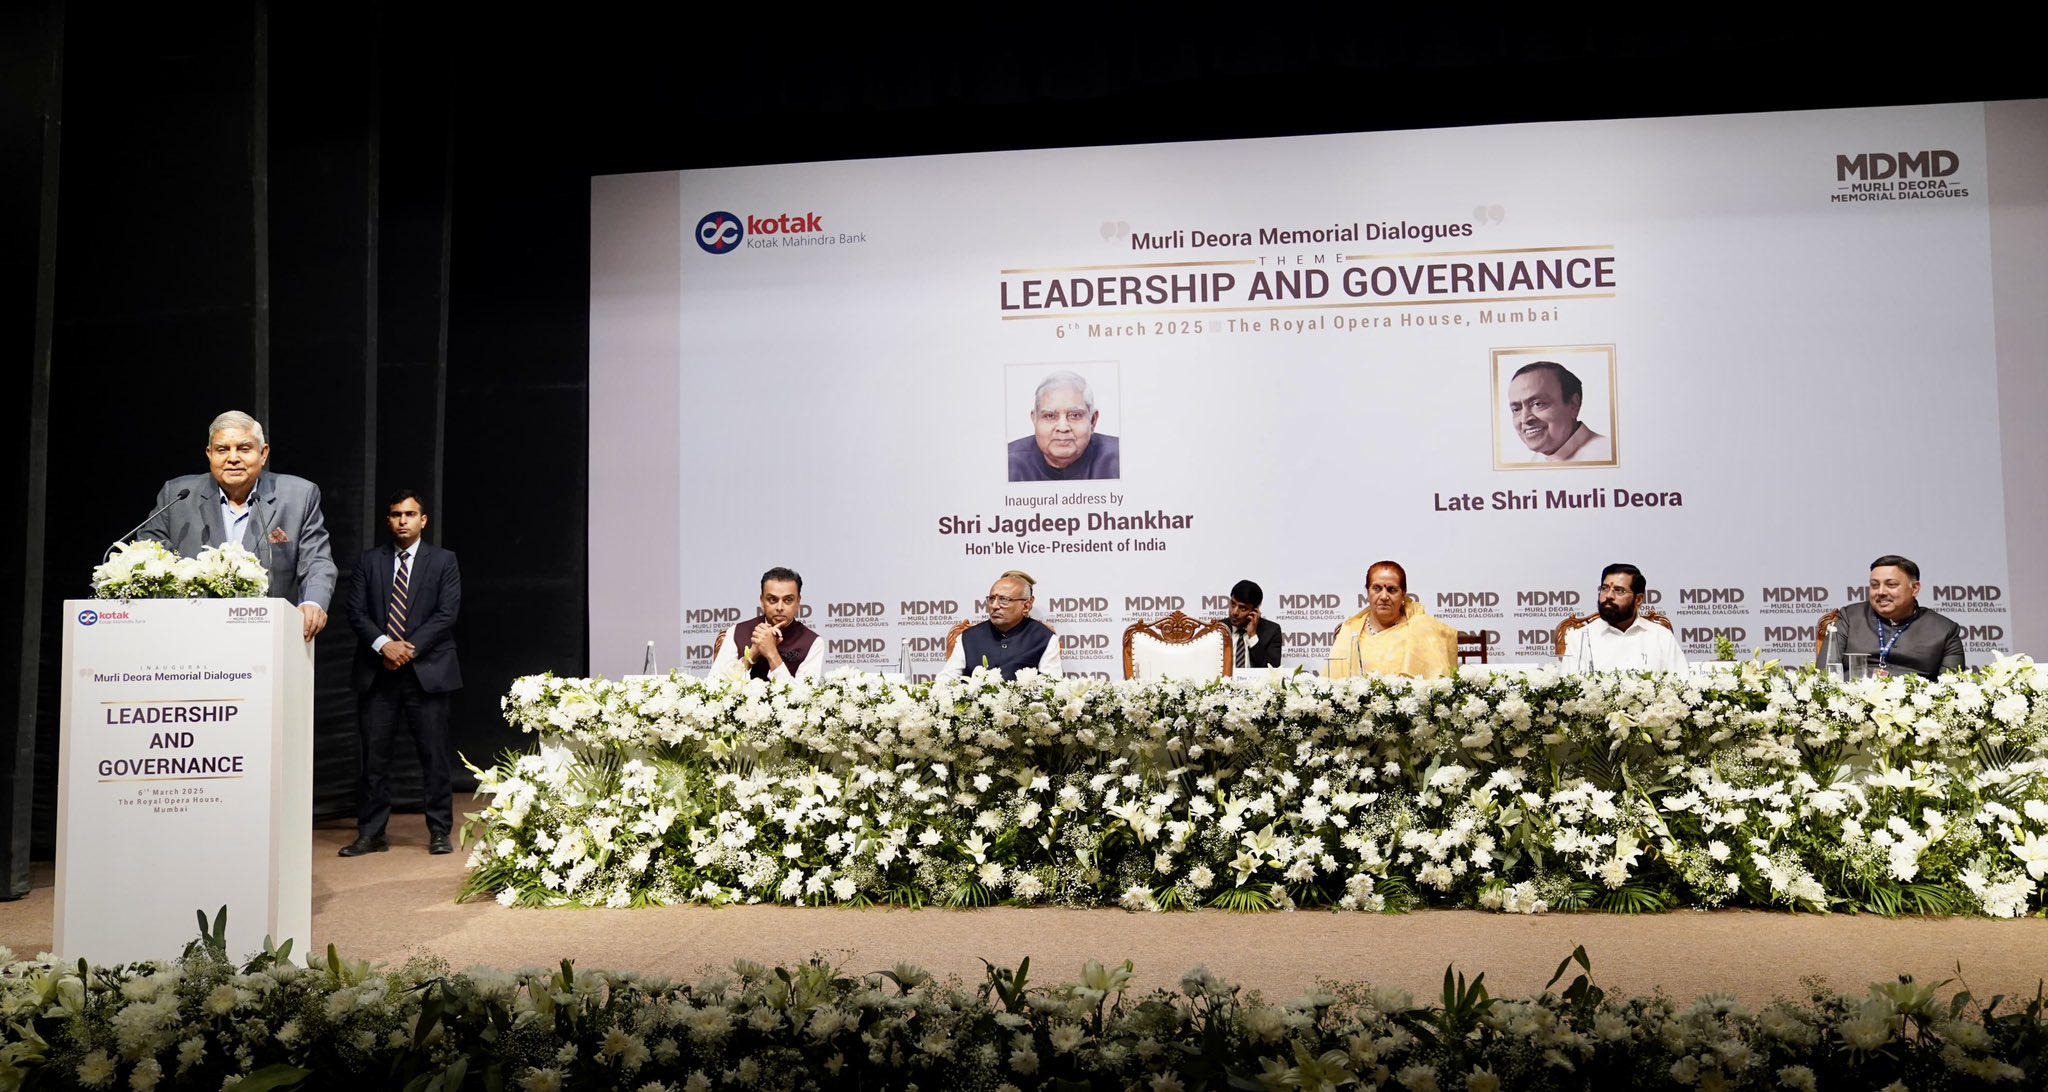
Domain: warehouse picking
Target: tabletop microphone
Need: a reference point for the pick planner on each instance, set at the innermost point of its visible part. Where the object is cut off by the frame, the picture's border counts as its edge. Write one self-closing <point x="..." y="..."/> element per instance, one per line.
<point x="123" y="540"/>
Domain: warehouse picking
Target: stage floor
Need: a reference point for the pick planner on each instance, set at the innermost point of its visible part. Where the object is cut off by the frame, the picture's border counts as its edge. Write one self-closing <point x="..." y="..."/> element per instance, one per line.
<point x="388" y="906"/>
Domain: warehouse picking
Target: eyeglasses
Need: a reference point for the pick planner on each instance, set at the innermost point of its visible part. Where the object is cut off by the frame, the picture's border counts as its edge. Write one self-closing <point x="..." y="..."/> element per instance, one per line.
<point x="1607" y="588"/>
<point x="1073" y="416"/>
<point x="1004" y="600"/>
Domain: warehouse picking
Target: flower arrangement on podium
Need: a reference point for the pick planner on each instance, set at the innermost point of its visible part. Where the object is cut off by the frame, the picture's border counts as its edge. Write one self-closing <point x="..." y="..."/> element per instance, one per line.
<point x="1747" y="786"/>
<point x="147" y="569"/>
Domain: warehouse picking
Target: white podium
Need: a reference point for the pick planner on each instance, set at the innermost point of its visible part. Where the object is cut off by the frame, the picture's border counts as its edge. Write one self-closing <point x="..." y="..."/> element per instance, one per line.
<point x="185" y="776"/>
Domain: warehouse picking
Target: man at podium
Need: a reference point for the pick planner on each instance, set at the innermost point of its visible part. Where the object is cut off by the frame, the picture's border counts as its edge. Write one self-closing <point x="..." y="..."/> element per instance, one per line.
<point x="274" y="516"/>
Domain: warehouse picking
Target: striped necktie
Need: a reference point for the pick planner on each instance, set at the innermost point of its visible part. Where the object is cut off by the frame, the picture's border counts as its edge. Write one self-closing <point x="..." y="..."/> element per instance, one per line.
<point x="1240" y="647"/>
<point x="394" y="612"/>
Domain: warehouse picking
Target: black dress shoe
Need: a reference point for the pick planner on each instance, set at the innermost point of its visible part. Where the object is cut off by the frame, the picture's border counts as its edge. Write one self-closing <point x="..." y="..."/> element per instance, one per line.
<point x="365" y="845"/>
<point x="438" y="844"/>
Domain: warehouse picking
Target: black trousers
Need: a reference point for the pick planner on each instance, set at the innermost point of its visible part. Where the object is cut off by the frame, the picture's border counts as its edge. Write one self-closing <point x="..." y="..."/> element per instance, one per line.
<point x="394" y="699"/>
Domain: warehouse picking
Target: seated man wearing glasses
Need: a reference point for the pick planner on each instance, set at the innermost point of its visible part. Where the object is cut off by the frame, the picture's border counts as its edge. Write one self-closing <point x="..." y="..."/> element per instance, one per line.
<point x="1619" y="640"/>
<point x="1011" y="640"/>
<point x="1064" y="445"/>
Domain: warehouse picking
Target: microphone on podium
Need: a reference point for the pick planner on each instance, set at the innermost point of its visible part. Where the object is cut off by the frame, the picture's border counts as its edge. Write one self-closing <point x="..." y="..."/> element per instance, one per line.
<point x="182" y="494"/>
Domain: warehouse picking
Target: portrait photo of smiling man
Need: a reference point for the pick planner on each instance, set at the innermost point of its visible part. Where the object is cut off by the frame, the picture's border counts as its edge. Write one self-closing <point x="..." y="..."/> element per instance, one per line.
<point x="1554" y="407"/>
<point x="1065" y="442"/>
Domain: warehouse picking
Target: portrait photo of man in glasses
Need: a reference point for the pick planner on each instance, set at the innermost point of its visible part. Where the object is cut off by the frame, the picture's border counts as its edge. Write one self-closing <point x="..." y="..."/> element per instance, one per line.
<point x="1063" y="444"/>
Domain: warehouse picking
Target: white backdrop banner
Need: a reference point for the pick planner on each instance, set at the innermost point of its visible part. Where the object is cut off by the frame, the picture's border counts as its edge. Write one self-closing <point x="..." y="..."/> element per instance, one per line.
<point x="1746" y="353"/>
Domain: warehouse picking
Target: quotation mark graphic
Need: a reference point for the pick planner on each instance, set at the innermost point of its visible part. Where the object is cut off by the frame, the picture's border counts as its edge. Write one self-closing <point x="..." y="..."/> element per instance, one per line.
<point x="1485" y="214"/>
<point x="1115" y="229"/>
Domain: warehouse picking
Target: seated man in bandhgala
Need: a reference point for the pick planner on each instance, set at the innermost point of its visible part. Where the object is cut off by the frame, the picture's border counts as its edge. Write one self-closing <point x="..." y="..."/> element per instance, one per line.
<point x="772" y="644"/>
<point x="1893" y="629"/>
<point x="1393" y="635"/>
<point x="1618" y="640"/>
<point x="1011" y="640"/>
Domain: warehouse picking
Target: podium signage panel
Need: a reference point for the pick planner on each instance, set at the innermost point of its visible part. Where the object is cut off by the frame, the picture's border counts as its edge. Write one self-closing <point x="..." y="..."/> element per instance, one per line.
<point x="185" y="775"/>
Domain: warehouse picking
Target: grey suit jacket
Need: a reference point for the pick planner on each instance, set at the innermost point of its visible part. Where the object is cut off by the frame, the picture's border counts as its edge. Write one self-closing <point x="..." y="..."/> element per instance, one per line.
<point x="284" y="528"/>
<point x="1931" y="644"/>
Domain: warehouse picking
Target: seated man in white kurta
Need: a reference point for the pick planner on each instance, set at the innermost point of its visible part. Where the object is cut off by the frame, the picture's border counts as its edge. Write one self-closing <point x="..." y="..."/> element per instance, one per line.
<point x="1618" y="640"/>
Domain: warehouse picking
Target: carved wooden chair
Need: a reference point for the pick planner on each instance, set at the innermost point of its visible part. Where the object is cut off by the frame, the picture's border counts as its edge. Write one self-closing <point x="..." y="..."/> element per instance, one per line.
<point x="1472" y="647"/>
<point x="1176" y="647"/>
<point x="953" y="635"/>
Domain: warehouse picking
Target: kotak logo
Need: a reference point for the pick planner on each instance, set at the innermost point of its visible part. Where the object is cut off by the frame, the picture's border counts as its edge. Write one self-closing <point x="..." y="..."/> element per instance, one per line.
<point x="719" y="232"/>
<point x="88" y="617"/>
<point x="789" y="223"/>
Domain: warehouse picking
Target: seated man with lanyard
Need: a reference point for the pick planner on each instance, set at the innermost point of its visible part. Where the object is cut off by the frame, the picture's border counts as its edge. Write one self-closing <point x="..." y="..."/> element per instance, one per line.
<point x="1011" y="640"/>
<point x="1393" y="635"/>
<point x="1893" y="629"/>
<point x="772" y="644"/>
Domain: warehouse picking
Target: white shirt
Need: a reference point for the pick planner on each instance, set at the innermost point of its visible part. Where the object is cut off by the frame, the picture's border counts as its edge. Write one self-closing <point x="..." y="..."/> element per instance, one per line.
<point x="232" y="518"/>
<point x="1582" y="446"/>
<point x="1643" y="646"/>
<point x="729" y="660"/>
<point x="406" y="555"/>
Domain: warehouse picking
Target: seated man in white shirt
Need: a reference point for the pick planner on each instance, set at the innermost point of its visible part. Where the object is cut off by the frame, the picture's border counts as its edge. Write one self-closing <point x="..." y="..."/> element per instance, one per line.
<point x="773" y="644"/>
<point x="1618" y="640"/>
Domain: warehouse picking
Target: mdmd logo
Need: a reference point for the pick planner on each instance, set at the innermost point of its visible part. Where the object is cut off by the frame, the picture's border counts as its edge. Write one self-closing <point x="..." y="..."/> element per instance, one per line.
<point x="719" y="232"/>
<point x="88" y="617"/>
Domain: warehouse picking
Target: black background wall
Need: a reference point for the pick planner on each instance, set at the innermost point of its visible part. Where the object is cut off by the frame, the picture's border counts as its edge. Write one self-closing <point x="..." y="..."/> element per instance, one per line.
<point x="367" y="224"/>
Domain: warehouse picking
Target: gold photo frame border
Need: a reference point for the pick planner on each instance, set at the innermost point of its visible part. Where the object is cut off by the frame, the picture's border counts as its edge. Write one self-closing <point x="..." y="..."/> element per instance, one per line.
<point x="1500" y="406"/>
